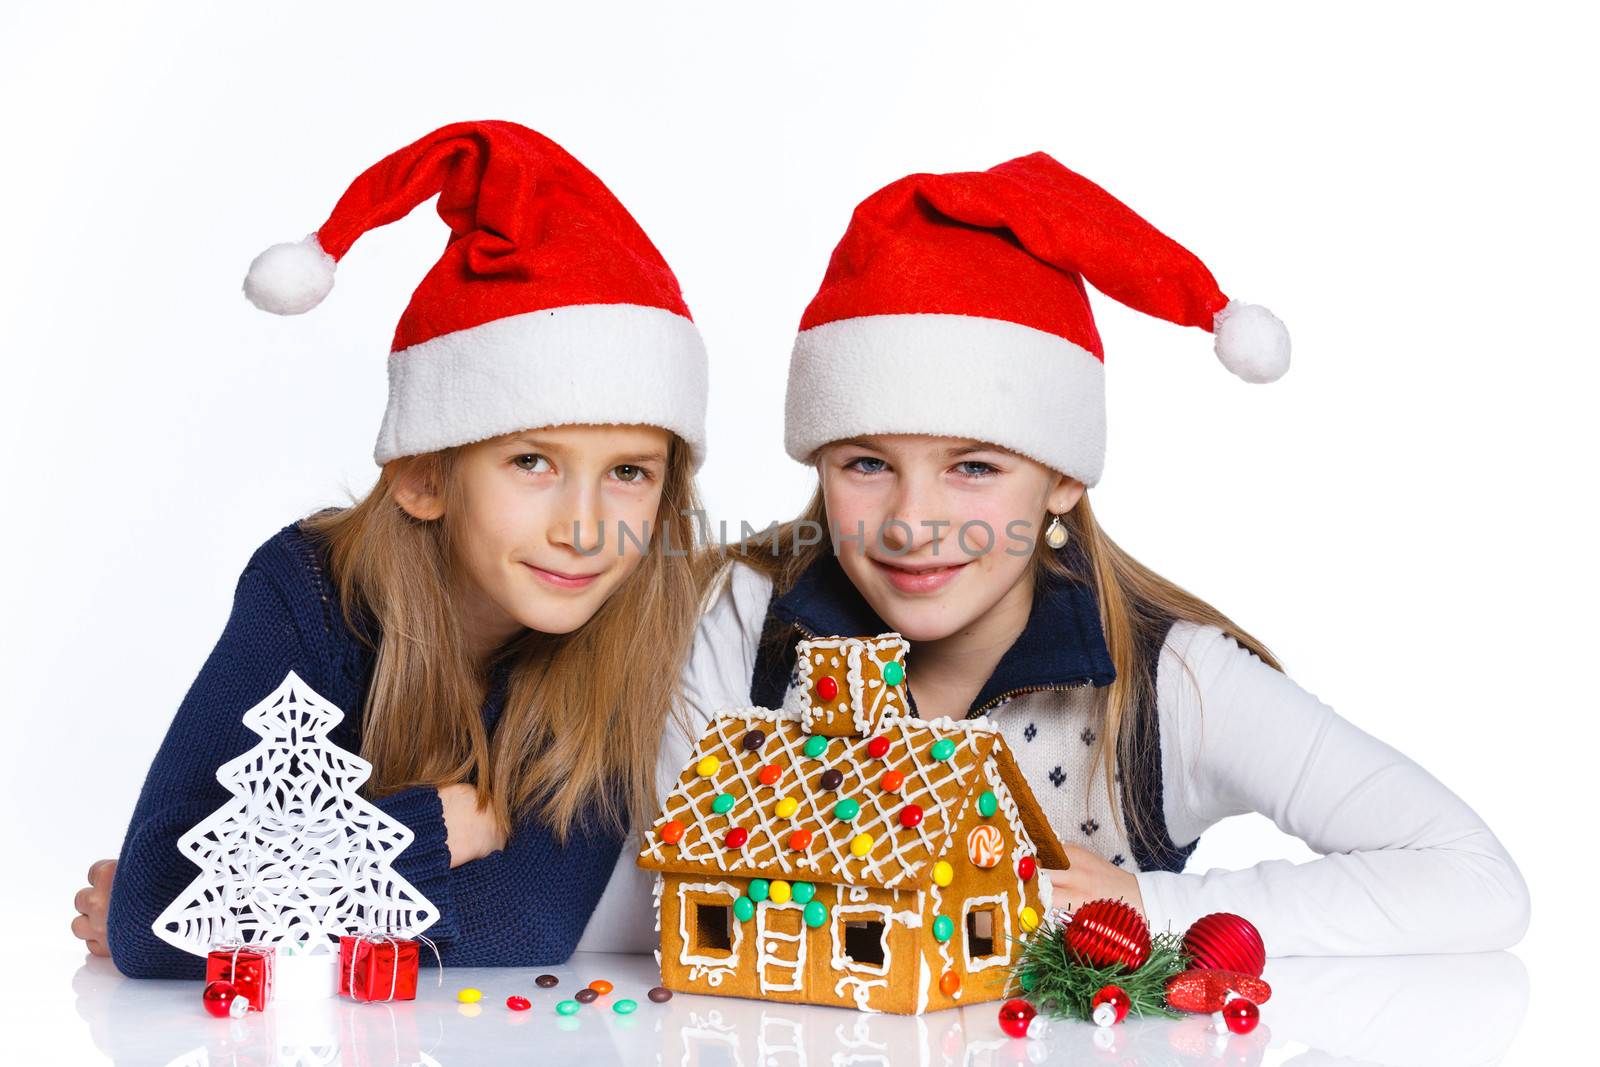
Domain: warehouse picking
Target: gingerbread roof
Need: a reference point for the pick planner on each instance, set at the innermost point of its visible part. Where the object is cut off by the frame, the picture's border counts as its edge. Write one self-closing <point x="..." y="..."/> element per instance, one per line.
<point x="750" y="760"/>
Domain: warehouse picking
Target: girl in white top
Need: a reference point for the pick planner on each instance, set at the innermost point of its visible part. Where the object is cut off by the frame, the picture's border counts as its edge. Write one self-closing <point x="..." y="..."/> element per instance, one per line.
<point x="947" y="385"/>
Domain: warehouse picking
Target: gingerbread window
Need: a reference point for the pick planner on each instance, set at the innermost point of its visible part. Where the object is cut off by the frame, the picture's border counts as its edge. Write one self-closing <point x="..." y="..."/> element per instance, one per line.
<point x="713" y="929"/>
<point x="986" y="929"/>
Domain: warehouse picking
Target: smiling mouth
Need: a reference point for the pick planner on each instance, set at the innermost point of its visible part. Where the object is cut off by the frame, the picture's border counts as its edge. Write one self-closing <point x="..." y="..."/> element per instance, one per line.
<point x="560" y="579"/>
<point x="923" y="578"/>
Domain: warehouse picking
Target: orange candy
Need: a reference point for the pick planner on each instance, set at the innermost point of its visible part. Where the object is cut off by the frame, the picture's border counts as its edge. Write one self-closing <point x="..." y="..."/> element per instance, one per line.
<point x="671" y="832"/>
<point x="601" y="986"/>
<point x="892" y="781"/>
<point x="769" y="774"/>
<point x="800" y="840"/>
<point x="950" y="983"/>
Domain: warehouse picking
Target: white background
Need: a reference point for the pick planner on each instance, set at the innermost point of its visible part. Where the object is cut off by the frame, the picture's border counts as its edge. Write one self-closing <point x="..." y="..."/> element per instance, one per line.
<point x="1403" y="519"/>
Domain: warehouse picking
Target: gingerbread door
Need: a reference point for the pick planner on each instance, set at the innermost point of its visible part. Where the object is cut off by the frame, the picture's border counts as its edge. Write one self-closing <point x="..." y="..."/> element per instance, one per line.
<point x="780" y="946"/>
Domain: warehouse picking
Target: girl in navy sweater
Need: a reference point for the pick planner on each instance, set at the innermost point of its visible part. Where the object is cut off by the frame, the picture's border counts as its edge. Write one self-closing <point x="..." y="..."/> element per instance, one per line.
<point x="504" y="615"/>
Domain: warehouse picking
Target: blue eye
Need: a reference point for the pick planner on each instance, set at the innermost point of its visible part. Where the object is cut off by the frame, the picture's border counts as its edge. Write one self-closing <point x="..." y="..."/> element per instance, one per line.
<point x="974" y="468"/>
<point x="867" y="465"/>
<point x="532" y="463"/>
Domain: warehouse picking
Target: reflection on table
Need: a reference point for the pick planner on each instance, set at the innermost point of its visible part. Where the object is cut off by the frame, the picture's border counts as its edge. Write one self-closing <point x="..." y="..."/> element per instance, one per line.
<point x="1433" y="1010"/>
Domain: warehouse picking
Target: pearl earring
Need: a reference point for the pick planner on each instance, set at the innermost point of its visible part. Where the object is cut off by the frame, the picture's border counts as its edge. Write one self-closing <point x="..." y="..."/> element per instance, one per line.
<point x="1055" y="535"/>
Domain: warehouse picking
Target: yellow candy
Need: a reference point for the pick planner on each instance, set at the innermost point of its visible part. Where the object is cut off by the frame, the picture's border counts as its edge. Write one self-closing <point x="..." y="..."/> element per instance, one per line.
<point x="779" y="892"/>
<point x="860" y="845"/>
<point x="469" y="995"/>
<point x="943" y="874"/>
<point x="1029" y="918"/>
<point x="707" y="766"/>
<point x="786" y="807"/>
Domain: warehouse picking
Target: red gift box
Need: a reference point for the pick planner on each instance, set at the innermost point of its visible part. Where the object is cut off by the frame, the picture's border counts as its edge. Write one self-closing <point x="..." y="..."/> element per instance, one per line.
<point x="247" y="967"/>
<point x="378" y="967"/>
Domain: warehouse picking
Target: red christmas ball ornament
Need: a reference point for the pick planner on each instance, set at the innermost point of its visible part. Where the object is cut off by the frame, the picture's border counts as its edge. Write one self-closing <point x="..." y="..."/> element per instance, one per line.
<point x="1226" y="943"/>
<point x="1240" y="1015"/>
<point x="1109" y="1006"/>
<point x="218" y="997"/>
<point x="1015" y="1015"/>
<point x="1106" y="932"/>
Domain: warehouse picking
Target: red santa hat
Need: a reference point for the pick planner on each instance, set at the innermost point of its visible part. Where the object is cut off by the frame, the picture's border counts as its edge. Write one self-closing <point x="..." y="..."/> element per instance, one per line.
<point x="549" y="306"/>
<point x="955" y="306"/>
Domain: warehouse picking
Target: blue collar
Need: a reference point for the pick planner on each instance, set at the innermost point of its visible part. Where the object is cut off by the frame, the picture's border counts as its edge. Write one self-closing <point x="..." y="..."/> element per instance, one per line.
<point x="1061" y="647"/>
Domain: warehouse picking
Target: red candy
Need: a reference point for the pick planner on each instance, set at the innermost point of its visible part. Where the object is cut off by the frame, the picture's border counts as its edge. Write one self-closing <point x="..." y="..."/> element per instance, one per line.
<point x="892" y="781"/>
<point x="769" y="774"/>
<point x="516" y="1003"/>
<point x="800" y="840"/>
<point x="827" y="688"/>
<point x="910" y="816"/>
<point x="878" y="747"/>
<point x="601" y="986"/>
<point x="671" y="832"/>
<point x="1015" y="1015"/>
<point x="1026" y="868"/>
<point x="736" y="837"/>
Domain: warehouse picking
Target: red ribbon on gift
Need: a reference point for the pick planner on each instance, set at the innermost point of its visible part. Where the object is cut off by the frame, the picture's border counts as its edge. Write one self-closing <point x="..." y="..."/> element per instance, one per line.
<point x="247" y="967"/>
<point x="380" y="967"/>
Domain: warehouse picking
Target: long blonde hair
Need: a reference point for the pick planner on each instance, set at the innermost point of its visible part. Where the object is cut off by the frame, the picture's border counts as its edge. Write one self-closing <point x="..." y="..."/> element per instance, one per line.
<point x="1136" y="607"/>
<point x="584" y="712"/>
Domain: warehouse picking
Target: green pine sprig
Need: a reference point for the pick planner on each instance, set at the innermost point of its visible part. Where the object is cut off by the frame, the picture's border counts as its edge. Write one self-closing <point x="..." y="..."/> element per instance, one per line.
<point x="1060" y="984"/>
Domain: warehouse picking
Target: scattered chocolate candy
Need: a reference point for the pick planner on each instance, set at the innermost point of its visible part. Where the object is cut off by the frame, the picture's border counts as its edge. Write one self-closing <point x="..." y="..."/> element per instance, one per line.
<point x="586" y="996"/>
<point x="567" y="1007"/>
<point x="547" y="981"/>
<point x="830" y="779"/>
<point x="659" y="995"/>
<point x="752" y="741"/>
<point x="624" y="1007"/>
<point x="601" y="986"/>
<point x="469" y="995"/>
<point x="516" y="1003"/>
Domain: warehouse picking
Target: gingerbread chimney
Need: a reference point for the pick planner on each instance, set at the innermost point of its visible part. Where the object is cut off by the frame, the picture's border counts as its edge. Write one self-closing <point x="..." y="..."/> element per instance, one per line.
<point x="848" y="685"/>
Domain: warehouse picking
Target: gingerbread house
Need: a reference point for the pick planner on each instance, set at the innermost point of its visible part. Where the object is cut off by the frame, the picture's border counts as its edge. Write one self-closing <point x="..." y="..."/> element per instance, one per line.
<point x="843" y="851"/>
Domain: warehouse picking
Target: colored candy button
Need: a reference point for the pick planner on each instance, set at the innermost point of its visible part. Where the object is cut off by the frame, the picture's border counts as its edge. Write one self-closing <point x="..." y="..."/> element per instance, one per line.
<point x="892" y="781"/>
<point x="830" y="779"/>
<point x="815" y="746"/>
<point x="846" y="810"/>
<point x="943" y="873"/>
<point x="827" y="688"/>
<point x="567" y="1007"/>
<point x="736" y="837"/>
<point x="659" y="994"/>
<point x="547" y="981"/>
<point x="744" y="909"/>
<point x="785" y="807"/>
<point x="802" y="892"/>
<point x="942" y="749"/>
<point x="910" y="816"/>
<point x="601" y="986"/>
<point x="1026" y="867"/>
<point x="758" y="889"/>
<point x="949" y="983"/>
<point x="988" y="803"/>
<point x="586" y="996"/>
<point x="944" y="928"/>
<point x="722" y="804"/>
<point x="780" y="891"/>
<point x="769" y="774"/>
<point x="469" y="995"/>
<point x="516" y="1003"/>
<point x="800" y="840"/>
<point x="707" y="766"/>
<point x="1028" y="918"/>
<point x="878" y="747"/>
<point x="860" y="845"/>
<point x="624" y="1007"/>
<point x="816" y="914"/>
<point x="752" y="741"/>
<point x="893" y="673"/>
<point x="671" y="832"/>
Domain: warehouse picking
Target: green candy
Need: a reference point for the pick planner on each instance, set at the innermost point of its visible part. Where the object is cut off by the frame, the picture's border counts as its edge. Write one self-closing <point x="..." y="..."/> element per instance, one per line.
<point x="944" y="928"/>
<point x="567" y="1007"/>
<point x="624" y="1007"/>
<point x="943" y="749"/>
<point x="1027" y="981"/>
<point x="816" y="914"/>
<point x="759" y="888"/>
<point x="893" y="673"/>
<point x="846" y="810"/>
<point x="744" y="909"/>
<point x="723" y="803"/>
<point x="988" y="803"/>
<point x="816" y="745"/>
<point x="802" y="892"/>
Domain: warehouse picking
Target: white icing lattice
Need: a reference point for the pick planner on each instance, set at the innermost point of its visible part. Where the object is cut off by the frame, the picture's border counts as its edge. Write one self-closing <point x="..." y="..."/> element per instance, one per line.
<point x="297" y="857"/>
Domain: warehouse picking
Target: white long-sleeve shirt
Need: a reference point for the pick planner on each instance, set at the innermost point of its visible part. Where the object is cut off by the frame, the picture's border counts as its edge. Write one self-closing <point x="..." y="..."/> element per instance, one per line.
<point x="1405" y="865"/>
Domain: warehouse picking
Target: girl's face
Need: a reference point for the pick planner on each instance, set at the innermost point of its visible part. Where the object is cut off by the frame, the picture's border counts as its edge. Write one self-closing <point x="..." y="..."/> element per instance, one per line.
<point x="550" y="523"/>
<point x="959" y="522"/>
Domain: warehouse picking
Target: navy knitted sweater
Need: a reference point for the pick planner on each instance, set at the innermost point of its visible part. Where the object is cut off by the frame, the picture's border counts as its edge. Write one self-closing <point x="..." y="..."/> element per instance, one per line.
<point x="524" y="905"/>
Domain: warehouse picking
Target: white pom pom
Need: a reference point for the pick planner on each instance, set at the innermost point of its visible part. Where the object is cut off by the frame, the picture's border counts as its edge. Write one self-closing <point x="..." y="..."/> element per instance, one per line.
<point x="290" y="278"/>
<point x="1251" y="342"/>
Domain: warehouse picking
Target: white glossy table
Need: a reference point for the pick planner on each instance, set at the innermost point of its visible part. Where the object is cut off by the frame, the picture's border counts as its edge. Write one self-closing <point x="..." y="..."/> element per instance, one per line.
<point x="1432" y="1010"/>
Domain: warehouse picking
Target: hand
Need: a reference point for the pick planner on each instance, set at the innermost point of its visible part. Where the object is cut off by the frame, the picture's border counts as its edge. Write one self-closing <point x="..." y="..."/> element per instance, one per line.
<point x="470" y="831"/>
<point x="1091" y="878"/>
<point x="92" y="902"/>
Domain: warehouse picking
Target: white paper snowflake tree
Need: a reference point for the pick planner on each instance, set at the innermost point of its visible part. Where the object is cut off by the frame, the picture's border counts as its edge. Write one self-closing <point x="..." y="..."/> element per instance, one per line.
<point x="297" y="858"/>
